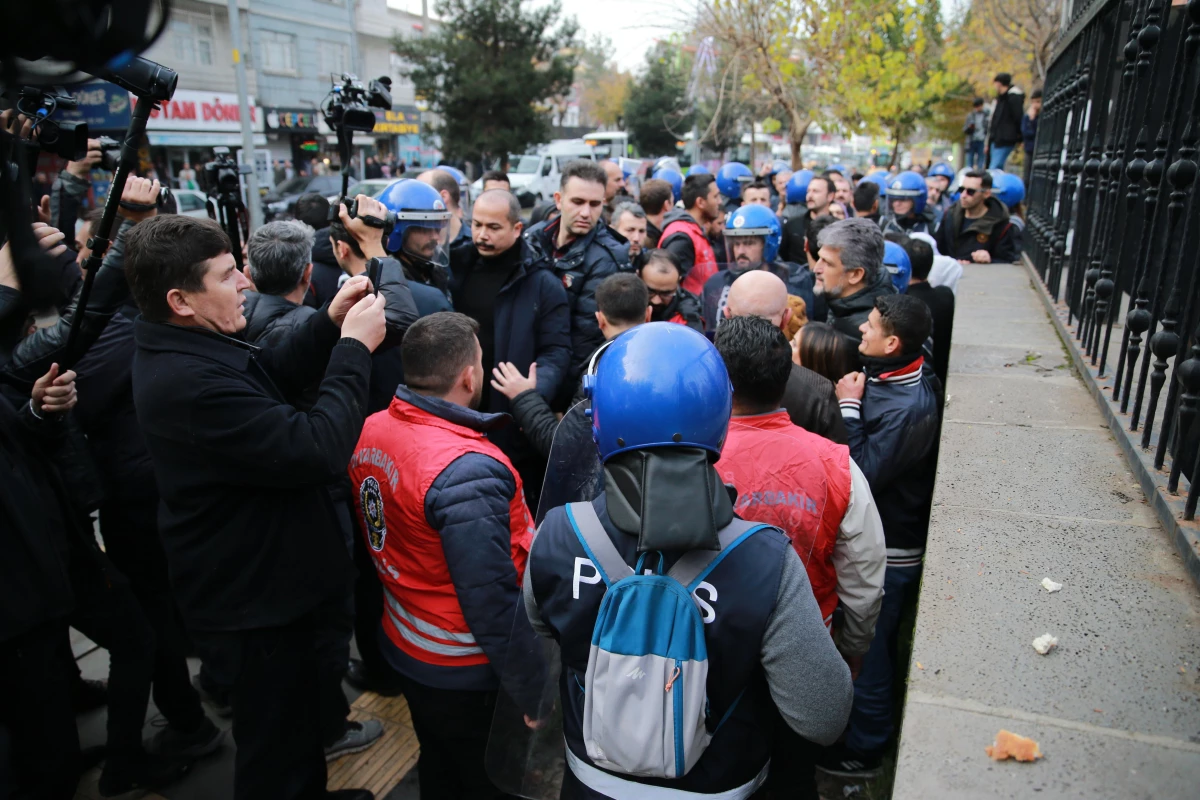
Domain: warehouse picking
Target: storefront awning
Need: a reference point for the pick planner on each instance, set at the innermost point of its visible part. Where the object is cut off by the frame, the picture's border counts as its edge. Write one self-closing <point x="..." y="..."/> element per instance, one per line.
<point x="200" y="139"/>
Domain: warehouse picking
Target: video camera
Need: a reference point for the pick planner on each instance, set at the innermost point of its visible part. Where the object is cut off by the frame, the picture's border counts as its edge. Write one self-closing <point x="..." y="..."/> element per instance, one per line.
<point x="349" y="105"/>
<point x="64" y="138"/>
<point x="224" y="178"/>
<point x="223" y="174"/>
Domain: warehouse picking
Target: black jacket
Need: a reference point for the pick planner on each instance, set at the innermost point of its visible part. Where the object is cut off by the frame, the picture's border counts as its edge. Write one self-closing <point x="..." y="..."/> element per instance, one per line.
<point x="795" y="233"/>
<point x="716" y="291"/>
<point x="325" y="273"/>
<point x="893" y="438"/>
<point x="812" y="404"/>
<point x="994" y="232"/>
<point x="846" y="314"/>
<point x="246" y="521"/>
<point x="271" y="319"/>
<point x="586" y="263"/>
<point x="684" y="306"/>
<point x="925" y="222"/>
<point x="940" y="300"/>
<point x="1005" y="127"/>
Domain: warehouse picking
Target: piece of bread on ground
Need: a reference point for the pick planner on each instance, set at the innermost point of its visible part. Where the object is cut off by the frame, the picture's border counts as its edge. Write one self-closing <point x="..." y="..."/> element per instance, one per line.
<point x="1011" y="745"/>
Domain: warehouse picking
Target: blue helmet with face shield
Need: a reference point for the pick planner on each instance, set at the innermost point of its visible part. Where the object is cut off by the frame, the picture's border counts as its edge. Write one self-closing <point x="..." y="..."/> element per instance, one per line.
<point x="731" y="178"/>
<point x="422" y="222"/>
<point x="1007" y="188"/>
<point x="797" y="186"/>
<point x="673" y="177"/>
<point x="898" y="265"/>
<point x="909" y="186"/>
<point x="754" y="220"/>
<point x="659" y="385"/>
<point x="942" y="170"/>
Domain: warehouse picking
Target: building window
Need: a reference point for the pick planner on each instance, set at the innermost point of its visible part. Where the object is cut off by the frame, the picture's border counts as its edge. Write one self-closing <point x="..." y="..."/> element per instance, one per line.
<point x="192" y="38"/>
<point x="332" y="58"/>
<point x="277" y="51"/>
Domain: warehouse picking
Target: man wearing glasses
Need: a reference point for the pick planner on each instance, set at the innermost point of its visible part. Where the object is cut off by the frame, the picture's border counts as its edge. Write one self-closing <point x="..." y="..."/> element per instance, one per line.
<point x="977" y="228"/>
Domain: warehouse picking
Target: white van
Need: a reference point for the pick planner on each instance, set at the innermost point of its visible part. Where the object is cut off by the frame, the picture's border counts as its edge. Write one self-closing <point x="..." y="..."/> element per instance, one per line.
<point x="609" y="144"/>
<point x="535" y="177"/>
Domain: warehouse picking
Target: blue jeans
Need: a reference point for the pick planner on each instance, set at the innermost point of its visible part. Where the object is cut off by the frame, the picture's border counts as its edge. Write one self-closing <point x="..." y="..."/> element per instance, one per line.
<point x="871" y="722"/>
<point x="1000" y="156"/>
<point x="975" y="154"/>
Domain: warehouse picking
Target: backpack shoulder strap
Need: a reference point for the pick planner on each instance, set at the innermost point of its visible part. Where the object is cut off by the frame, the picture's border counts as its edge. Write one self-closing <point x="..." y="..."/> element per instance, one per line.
<point x="596" y="544"/>
<point x="694" y="566"/>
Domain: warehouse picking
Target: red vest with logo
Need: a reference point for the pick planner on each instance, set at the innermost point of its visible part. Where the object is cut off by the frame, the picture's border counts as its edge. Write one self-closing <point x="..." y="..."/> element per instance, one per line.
<point x="705" y="265"/>
<point x="795" y="480"/>
<point x="400" y="453"/>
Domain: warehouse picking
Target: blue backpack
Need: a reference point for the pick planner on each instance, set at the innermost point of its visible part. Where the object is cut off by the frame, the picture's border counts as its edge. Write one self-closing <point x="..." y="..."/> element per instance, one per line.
<point x="645" y="690"/>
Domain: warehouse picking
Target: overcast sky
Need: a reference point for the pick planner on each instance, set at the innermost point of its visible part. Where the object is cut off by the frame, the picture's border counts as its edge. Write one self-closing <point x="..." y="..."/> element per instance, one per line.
<point x="633" y="25"/>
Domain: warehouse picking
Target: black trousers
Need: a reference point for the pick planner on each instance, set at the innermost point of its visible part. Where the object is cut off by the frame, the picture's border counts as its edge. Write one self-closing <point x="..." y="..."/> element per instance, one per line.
<point x="131" y="542"/>
<point x="368" y="609"/>
<point x="452" y="728"/>
<point x="37" y="724"/>
<point x="274" y="677"/>
<point x="793" y="766"/>
<point x="574" y="789"/>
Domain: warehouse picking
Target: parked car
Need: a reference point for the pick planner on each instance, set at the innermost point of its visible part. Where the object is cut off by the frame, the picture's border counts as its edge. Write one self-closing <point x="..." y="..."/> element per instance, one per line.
<point x="281" y="200"/>
<point x="191" y="203"/>
<point x="535" y="177"/>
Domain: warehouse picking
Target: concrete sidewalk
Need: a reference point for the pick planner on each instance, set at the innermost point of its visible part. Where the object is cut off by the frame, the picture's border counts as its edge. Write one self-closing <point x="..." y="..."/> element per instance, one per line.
<point x="1031" y="484"/>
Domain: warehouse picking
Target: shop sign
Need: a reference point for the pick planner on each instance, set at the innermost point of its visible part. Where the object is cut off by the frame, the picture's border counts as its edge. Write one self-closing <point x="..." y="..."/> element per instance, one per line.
<point x="291" y="119"/>
<point x="400" y="121"/>
<point x="191" y="110"/>
<point x="102" y="105"/>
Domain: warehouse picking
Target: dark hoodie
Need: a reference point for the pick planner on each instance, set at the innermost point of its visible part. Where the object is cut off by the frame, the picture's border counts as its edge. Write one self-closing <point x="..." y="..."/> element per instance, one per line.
<point x="326" y="272"/>
<point x="994" y="232"/>
<point x="846" y="313"/>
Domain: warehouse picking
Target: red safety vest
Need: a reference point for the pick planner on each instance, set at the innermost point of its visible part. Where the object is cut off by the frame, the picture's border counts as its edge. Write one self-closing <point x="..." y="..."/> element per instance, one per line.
<point x="705" y="265"/>
<point x="795" y="480"/>
<point x="400" y="453"/>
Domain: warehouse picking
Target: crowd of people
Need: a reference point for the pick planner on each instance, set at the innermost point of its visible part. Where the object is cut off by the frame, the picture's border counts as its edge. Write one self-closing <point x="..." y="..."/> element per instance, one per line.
<point x="351" y="440"/>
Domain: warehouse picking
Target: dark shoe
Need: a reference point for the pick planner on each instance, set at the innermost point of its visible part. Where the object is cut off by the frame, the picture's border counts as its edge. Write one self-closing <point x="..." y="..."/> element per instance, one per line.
<point x="843" y="762"/>
<point x="88" y="695"/>
<point x="350" y="794"/>
<point x="358" y="737"/>
<point x="173" y="743"/>
<point x="216" y="698"/>
<point x="358" y="676"/>
<point x="141" y="772"/>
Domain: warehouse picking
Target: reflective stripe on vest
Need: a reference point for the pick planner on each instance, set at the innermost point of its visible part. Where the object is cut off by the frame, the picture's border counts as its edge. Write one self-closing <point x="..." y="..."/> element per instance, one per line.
<point x="617" y="788"/>
<point x="418" y="632"/>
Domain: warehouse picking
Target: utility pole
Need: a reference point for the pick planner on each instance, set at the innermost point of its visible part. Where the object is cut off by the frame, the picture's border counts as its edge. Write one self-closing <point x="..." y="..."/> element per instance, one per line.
<point x="355" y="68"/>
<point x="253" y="201"/>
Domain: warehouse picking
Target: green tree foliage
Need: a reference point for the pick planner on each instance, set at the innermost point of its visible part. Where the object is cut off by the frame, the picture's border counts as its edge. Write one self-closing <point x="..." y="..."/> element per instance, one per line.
<point x="487" y="70"/>
<point x="656" y="112"/>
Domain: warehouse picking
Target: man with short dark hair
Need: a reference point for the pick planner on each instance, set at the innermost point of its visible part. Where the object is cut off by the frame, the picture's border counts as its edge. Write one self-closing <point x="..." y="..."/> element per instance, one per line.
<point x="821" y="191"/>
<point x="582" y="253"/>
<point x="496" y="179"/>
<point x="629" y="220"/>
<point x="244" y="481"/>
<point x="833" y="526"/>
<point x="280" y="266"/>
<point x="614" y="188"/>
<point x="443" y="512"/>
<point x="621" y="303"/>
<point x="447" y="186"/>
<point x="1004" y="132"/>
<point x="757" y="193"/>
<point x="657" y="198"/>
<point x="891" y="415"/>
<point x="668" y="301"/>
<point x="866" y="201"/>
<point x="850" y="273"/>
<point x="685" y="231"/>
<point x="313" y="210"/>
<point x="939" y="299"/>
<point x="977" y="228"/>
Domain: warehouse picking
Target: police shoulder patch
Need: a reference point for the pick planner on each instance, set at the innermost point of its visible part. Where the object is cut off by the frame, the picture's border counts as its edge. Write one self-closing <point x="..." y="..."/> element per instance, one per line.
<point x="981" y="238"/>
<point x="371" y="501"/>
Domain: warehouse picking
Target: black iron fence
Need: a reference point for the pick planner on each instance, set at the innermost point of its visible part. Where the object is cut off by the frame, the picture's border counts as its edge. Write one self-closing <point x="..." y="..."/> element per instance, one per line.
<point x="1114" y="221"/>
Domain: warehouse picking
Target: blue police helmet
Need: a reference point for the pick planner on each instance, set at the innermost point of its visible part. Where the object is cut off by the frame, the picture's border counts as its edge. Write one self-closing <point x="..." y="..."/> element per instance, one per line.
<point x="756" y="221"/>
<point x="841" y="169"/>
<point x="459" y="177"/>
<point x="779" y="165"/>
<point x="909" y="186"/>
<point x="699" y="169"/>
<point x="416" y="205"/>
<point x="942" y="170"/>
<point x="1007" y="188"/>
<point x="880" y="178"/>
<point x="673" y="177"/>
<point x="660" y="385"/>
<point x="731" y="177"/>
<point x="797" y="186"/>
<point x="898" y="265"/>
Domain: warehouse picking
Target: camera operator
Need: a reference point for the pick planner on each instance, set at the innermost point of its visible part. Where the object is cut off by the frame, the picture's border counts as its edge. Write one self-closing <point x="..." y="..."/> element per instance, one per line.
<point x="68" y="192"/>
<point x="247" y="522"/>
